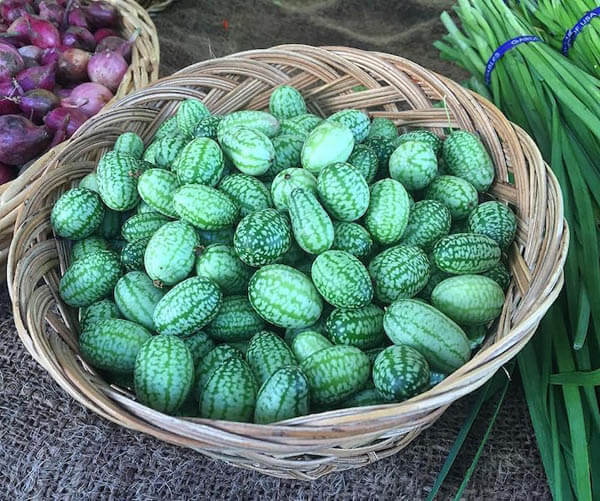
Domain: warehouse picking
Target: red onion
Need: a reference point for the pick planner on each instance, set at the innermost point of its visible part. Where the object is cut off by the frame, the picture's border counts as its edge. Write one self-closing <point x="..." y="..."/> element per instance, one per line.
<point x="11" y="61"/>
<point x="43" y="33"/>
<point x="31" y="51"/>
<point x="102" y="14"/>
<point x="58" y="117"/>
<point x="9" y="93"/>
<point x="75" y="15"/>
<point x="63" y="92"/>
<point x="38" y="77"/>
<point x="79" y="38"/>
<point x="51" y="11"/>
<point x="19" y="31"/>
<point x="118" y="44"/>
<point x="102" y="33"/>
<point x="72" y="65"/>
<point x="7" y="173"/>
<point x="107" y="68"/>
<point x="21" y="140"/>
<point x="89" y="97"/>
<point x="50" y="56"/>
<point x="13" y="9"/>
<point x="35" y="104"/>
<point x="29" y="62"/>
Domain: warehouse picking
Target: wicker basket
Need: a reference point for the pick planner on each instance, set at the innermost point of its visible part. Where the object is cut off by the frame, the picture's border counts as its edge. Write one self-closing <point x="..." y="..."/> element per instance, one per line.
<point x="155" y="6"/>
<point x="314" y="445"/>
<point x="145" y="58"/>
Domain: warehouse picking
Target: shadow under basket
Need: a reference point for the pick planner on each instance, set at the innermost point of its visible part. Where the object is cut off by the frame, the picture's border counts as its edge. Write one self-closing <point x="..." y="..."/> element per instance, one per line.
<point x="145" y="60"/>
<point x="330" y="79"/>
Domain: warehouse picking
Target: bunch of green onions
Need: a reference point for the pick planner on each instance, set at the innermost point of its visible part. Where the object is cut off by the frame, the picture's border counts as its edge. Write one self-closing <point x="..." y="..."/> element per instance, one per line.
<point x="558" y="103"/>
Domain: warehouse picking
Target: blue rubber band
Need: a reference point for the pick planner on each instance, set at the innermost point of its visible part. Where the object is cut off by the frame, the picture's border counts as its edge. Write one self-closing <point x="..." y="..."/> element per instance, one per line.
<point x="573" y="33"/>
<point x="503" y="49"/>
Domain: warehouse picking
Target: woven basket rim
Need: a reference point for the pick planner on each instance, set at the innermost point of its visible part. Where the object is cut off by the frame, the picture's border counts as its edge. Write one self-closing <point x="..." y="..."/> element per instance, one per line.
<point x="145" y="60"/>
<point x="265" y="447"/>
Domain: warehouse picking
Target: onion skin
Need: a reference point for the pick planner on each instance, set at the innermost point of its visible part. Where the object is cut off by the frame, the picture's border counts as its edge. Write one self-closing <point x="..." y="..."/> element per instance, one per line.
<point x="51" y="11"/>
<point x="37" y="103"/>
<point x="9" y="94"/>
<point x="50" y="56"/>
<point x="19" y="30"/>
<point x="102" y="33"/>
<point x="102" y="14"/>
<point x="76" y="17"/>
<point x="116" y="44"/>
<point x="31" y="51"/>
<point x="107" y="68"/>
<point x="78" y="38"/>
<point x="88" y="97"/>
<point x="68" y="118"/>
<point x="43" y="33"/>
<point x="72" y="65"/>
<point x="38" y="77"/>
<point x="10" y="10"/>
<point x="11" y="62"/>
<point x="21" y="140"/>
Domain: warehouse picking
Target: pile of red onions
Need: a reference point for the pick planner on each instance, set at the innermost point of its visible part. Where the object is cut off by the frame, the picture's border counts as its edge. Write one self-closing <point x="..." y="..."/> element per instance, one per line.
<point x="60" y="63"/>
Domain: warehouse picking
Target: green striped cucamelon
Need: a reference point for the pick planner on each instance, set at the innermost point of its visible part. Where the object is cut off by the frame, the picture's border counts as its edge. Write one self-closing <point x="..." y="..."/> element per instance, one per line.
<point x="137" y="296"/>
<point x="117" y="175"/>
<point x="357" y="121"/>
<point x="87" y="246"/>
<point x="207" y="127"/>
<point x="200" y="161"/>
<point x="266" y="354"/>
<point x="165" y="150"/>
<point x="308" y="342"/>
<point x="259" y="121"/>
<point x="213" y="359"/>
<point x="494" y="220"/>
<point x="400" y="372"/>
<point x="111" y="224"/>
<point x="399" y="272"/>
<point x="458" y="195"/>
<point x="164" y="373"/>
<point x="100" y="310"/>
<point x="249" y="193"/>
<point x="352" y="238"/>
<point x="250" y="150"/>
<point x="170" y="253"/>
<point x="300" y="125"/>
<point x="388" y="212"/>
<point x="167" y="128"/>
<point x="284" y="296"/>
<point x="90" y="279"/>
<point x="77" y="214"/>
<point x="362" y="327"/>
<point x="383" y="148"/>
<point x="113" y="344"/>
<point x="286" y="102"/>
<point x="465" y="156"/>
<point x="141" y="226"/>
<point x="283" y="396"/>
<point x="287" y="153"/>
<point x="144" y="208"/>
<point x="469" y="299"/>
<point x="365" y="161"/>
<point x="312" y="226"/>
<point x="294" y="255"/>
<point x="335" y="373"/>
<point x="414" y="164"/>
<point x="383" y="127"/>
<point x="132" y="255"/>
<point x="363" y="398"/>
<point x="343" y="191"/>
<point x="286" y="181"/>
<point x="189" y="113"/>
<point x="421" y="136"/>
<point x="342" y="280"/>
<point x="429" y="221"/>
<point x="187" y="307"/>
<point x="156" y="187"/>
<point x="262" y="237"/>
<point x="209" y="237"/>
<point x="200" y="345"/>
<point x="229" y="393"/>
<point x="435" y="277"/>
<point x="220" y="263"/>
<point x="466" y="253"/>
<point x="499" y="274"/>
<point x="236" y="320"/>
<point x="327" y="143"/>
<point x="438" y="338"/>
<point x="205" y="207"/>
<point x="129" y="143"/>
<point x="89" y="182"/>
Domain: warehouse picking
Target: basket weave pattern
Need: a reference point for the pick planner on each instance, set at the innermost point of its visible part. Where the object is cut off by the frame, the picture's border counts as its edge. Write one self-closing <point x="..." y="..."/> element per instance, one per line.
<point x="314" y="445"/>
<point x="145" y="57"/>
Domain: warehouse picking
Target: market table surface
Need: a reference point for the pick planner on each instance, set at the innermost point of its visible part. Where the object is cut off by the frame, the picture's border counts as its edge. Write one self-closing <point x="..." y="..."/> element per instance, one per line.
<point x="53" y="448"/>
